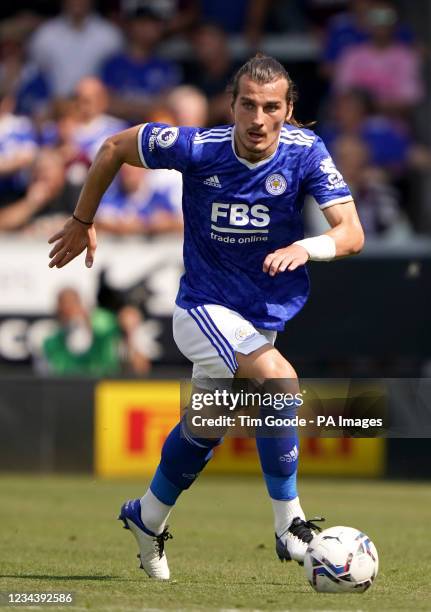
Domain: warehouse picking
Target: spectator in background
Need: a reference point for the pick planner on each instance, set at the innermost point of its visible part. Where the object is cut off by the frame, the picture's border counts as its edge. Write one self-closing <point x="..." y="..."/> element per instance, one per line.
<point x="351" y="28"/>
<point x="73" y="45"/>
<point x="94" y="342"/>
<point x="388" y="141"/>
<point x="137" y="77"/>
<point x="93" y="124"/>
<point x="45" y="196"/>
<point x="18" y="150"/>
<point x="148" y="202"/>
<point x="188" y="106"/>
<point x="389" y="70"/>
<point x="20" y="75"/>
<point x="377" y="201"/>
<point x="212" y="69"/>
<point x="134" y="360"/>
<point x="86" y="342"/>
<point x="77" y="159"/>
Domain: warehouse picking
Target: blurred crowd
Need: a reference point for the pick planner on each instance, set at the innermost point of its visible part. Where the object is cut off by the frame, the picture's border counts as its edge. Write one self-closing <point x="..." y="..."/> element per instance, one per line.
<point x="70" y="79"/>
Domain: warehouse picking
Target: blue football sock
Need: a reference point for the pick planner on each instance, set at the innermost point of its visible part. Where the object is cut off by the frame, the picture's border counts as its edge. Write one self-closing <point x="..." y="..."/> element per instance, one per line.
<point x="183" y="458"/>
<point x="278" y="448"/>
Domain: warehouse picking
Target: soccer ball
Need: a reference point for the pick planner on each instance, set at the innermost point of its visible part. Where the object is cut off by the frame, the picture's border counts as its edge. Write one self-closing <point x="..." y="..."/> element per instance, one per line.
<point x="341" y="560"/>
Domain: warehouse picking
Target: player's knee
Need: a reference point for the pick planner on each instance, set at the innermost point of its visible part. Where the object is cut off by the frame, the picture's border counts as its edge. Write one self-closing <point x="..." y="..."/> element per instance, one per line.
<point x="265" y="364"/>
<point x="275" y="366"/>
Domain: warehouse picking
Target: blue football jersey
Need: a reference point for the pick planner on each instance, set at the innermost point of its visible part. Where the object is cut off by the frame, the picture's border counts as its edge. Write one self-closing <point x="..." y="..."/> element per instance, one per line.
<point x="236" y="212"/>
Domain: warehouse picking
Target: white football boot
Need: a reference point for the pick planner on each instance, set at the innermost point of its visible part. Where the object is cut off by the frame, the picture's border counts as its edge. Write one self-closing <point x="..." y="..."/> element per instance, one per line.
<point x="293" y="543"/>
<point x="151" y="546"/>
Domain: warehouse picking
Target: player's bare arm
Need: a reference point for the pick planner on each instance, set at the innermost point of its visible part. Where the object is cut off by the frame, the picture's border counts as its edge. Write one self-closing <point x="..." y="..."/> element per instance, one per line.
<point x="346" y="234"/>
<point x="78" y="232"/>
<point x="346" y="229"/>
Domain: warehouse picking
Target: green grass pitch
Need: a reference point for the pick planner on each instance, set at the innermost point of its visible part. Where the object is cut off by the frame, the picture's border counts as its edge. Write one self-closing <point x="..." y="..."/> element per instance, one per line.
<point x="60" y="534"/>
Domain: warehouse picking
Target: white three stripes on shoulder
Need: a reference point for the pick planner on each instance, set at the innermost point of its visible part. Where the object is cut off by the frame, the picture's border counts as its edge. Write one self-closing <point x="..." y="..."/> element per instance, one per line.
<point x="214" y="132"/>
<point x="228" y="139"/>
<point x="297" y="134"/>
<point x="296" y="137"/>
<point x="298" y="131"/>
<point x="213" y="136"/>
<point x="297" y="142"/>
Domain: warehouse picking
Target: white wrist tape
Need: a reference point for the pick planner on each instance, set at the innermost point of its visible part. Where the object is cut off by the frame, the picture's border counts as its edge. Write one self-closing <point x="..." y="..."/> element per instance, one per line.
<point x="319" y="248"/>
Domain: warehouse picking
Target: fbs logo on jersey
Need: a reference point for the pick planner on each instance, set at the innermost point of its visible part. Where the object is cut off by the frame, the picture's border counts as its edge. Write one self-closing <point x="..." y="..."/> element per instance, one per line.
<point x="167" y="137"/>
<point x="239" y="215"/>
<point x="276" y="184"/>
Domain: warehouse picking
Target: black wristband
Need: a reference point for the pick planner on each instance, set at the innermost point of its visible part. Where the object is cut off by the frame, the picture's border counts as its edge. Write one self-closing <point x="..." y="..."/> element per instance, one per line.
<point x="81" y="221"/>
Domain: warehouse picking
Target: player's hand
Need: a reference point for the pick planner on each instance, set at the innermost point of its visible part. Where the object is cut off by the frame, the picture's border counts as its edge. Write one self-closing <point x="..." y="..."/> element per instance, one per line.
<point x="289" y="258"/>
<point x="70" y="242"/>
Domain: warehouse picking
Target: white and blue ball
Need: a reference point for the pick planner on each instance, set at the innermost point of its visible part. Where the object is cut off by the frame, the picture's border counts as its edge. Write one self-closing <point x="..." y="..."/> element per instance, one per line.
<point x="341" y="560"/>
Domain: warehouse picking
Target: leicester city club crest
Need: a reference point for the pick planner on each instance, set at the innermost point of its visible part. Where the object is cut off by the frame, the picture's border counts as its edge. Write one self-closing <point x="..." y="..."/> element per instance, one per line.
<point x="276" y="184"/>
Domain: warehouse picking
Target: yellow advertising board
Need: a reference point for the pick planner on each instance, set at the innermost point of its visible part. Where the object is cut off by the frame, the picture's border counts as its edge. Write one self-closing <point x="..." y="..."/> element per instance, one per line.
<point x="133" y="418"/>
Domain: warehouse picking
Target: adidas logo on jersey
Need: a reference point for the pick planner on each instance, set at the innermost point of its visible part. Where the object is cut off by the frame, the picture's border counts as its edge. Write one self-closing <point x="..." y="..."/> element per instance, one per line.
<point x="213" y="181"/>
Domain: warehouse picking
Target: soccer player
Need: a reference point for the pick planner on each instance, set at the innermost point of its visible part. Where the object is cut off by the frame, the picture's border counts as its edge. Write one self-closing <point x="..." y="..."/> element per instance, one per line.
<point x="244" y="253"/>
